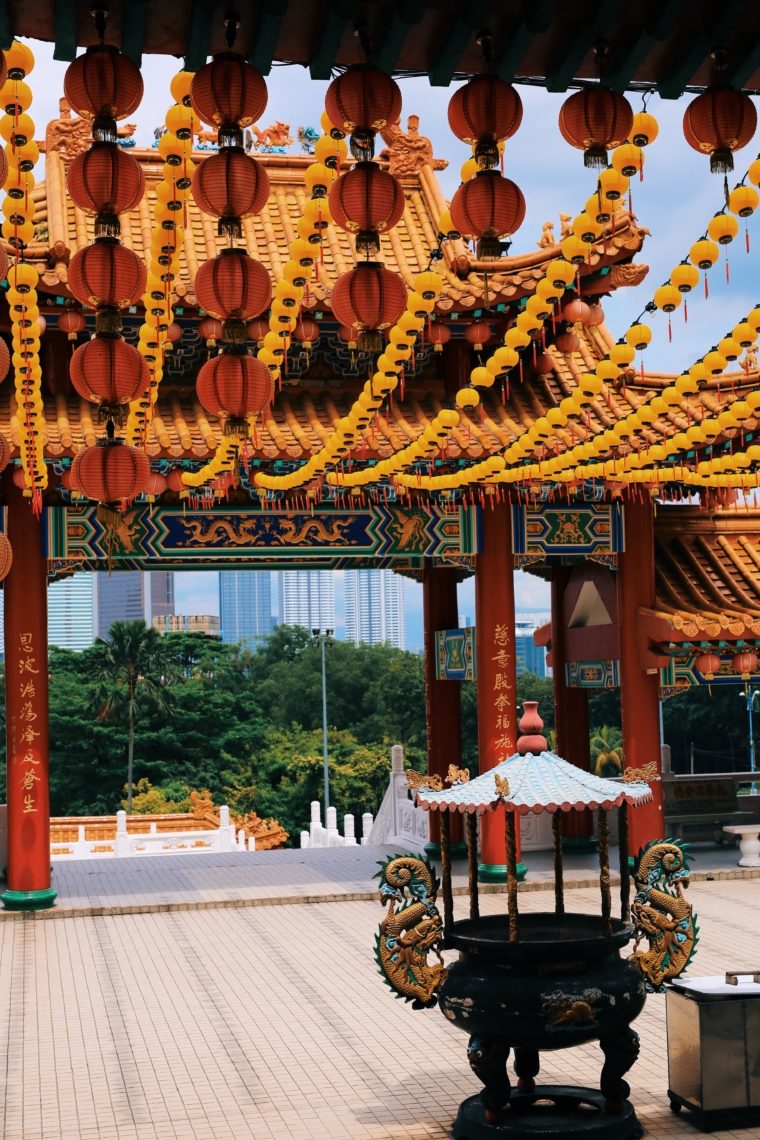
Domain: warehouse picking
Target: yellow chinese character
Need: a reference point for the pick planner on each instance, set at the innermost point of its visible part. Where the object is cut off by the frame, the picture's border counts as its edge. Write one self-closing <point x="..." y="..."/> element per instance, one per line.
<point x="504" y="742"/>
<point x="26" y="665"/>
<point x="27" y="689"/>
<point x="26" y="643"/>
<point x="502" y="702"/>
<point x="29" y="803"/>
<point x="28" y="780"/>
<point x="28" y="735"/>
<point x="501" y="635"/>
<point x="27" y="712"/>
<point x="502" y="659"/>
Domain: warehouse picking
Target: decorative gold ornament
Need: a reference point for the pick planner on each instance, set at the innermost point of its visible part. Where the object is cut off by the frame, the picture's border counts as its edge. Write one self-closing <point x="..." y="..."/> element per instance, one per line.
<point x="662" y="915"/>
<point x="648" y="772"/>
<point x="409" y="934"/>
<point x="457" y="775"/>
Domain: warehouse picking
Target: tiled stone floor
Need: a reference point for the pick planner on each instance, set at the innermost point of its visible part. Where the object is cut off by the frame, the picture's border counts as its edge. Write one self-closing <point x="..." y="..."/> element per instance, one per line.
<point x="271" y="1023"/>
<point x="331" y="872"/>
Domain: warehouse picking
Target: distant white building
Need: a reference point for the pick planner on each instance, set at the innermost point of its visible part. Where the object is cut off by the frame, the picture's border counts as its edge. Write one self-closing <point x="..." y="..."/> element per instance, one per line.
<point x="70" y="612"/>
<point x="307" y="598"/>
<point x="374" y="607"/>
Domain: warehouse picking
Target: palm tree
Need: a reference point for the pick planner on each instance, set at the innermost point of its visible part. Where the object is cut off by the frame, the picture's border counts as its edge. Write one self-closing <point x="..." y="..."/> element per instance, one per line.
<point x="132" y="665"/>
<point x="607" y="752"/>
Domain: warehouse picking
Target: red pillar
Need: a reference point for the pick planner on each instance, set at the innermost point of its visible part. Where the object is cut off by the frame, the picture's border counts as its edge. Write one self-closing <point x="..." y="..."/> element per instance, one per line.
<point x="639" y="690"/>
<point x="26" y="707"/>
<point x="442" y="698"/>
<point x="497" y="674"/>
<point x="570" y="716"/>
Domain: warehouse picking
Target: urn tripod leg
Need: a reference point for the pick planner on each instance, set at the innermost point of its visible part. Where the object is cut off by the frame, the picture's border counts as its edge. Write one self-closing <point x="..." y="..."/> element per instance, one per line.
<point x="488" y="1060"/>
<point x="527" y="1064"/>
<point x="621" y="1050"/>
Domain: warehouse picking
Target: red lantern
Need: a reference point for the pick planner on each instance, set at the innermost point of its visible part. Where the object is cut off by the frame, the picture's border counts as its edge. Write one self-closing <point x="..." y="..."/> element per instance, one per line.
<point x="103" y="84"/>
<point x="575" y="311"/>
<point x="233" y="287"/>
<point x="367" y="201"/>
<point x="107" y="276"/>
<point x="19" y="477"/>
<point x="438" y="335"/>
<point x="567" y="341"/>
<point x="257" y="329"/>
<point x="369" y="298"/>
<point x="174" y="480"/>
<point x="5" y="361"/>
<point x="484" y="112"/>
<point x="228" y="92"/>
<point x="595" y="316"/>
<point x="156" y="485"/>
<point x="348" y="336"/>
<point x="488" y="207"/>
<point x="4" y="71"/>
<point x="42" y="324"/>
<point x="6" y="556"/>
<point x="595" y="120"/>
<point x="172" y="335"/>
<point x="306" y="331"/>
<point x="543" y="364"/>
<point x="708" y="664"/>
<point x="105" y="180"/>
<point x="478" y="335"/>
<point x="718" y="122"/>
<point x="230" y="185"/>
<point x="210" y="330"/>
<point x="5" y="452"/>
<point x="110" y="471"/>
<point x="3" y="250"/>
<point x="235" y="386"/>
<point x="361" y="102"/>
<point x="744" y="663"/>
<point x="108" y="371"/>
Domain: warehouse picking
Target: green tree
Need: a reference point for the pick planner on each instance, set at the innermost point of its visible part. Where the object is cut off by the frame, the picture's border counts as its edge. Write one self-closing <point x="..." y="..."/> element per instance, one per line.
<point x="606" y="747"/>
<point x="130" y="668"/>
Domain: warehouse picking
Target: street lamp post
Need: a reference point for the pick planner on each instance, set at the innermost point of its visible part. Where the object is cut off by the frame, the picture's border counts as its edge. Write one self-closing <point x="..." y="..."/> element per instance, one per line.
<point x="323" y="638"/>
<point x="750" y="695"/>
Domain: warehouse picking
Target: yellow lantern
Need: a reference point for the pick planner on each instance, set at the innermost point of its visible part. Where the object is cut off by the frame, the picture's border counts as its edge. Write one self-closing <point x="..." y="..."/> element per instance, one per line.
<point x="469" y="170"/>
<point x="699" y="373"/>
<point x="729" y="348"/>
<point x="741" y="410"/>
<point x="481" y="378"/>
<point x="560" y="273"/>
<point x="639" y="336"/>
<point x="744" y="334"/>
<point x="446" y="226"/>
<point x="684" y="277"/>
<point x="527" y="323"/>
<point x="318" y="177"/>
<point x="574" y="250"/>
<point x="607" y="370"/>
<point x="754" y="172"/>
<point x="538" y="307"/>
<point x="589" y="385"/>
<point x="613" y="185"/>
<point x="753" y="318"/>
<point x="598" y="208"/>
<point x="743" y="200"/>
<point x="429" y="284"/>
<point x="516" y="338"/>
<point x="586" y="228"/>
<point x="714" y="362"/>
<point x="627" y="159"/>
<point x="722" y="228"/>
<point x="622" y="353"/>
<point x="467" y="398"/>
<point x="704" y="253"/>
<point x="548" y="291"/>
<point x="687" y="385"/>
<point x="645" y="129"/>
<point x="667" y="298"/>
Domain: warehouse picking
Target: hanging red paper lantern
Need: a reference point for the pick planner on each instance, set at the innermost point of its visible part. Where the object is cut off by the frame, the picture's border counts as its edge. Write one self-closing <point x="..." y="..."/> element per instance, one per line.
<point x="369" y="298"/>
<point x="438" y="335"/>
<point x="708" y="664"/>
<point x="19" y="477"/>
<point x="110" y="471"/>
<point x="156" y="485"/>
<point x="595" y="120"/>
<point x="174" y="480"/>
<point x="367" y="201"/>
<point x="745" y="663"/>
<point x="230" y="185"/>
<point x="172" y="335"/>
<point x="105" y="181"/>
<point x="575" y="311"/>
<point x="6" y="556"/>
<point x="478" y="335"/>
<point x="102" y="85"/>
<point x="233" y="287"/>
<point x="567" y="341"/>
<point x="718" y="122"/>
<point x="483" y="113"/>
<point x="543" y="364"/>
<point x="361" y="102"/>
<point x="234" y="386"/>
<point x="211" y="331"/>
<point x="257" y="329"/>
<point x="306" y="331"/>
<point x="487" y="208"/>
<point x="595" y="315"/>
<point x="5" y="360"/>
<point x="228" y="93"/>
<point x="5" y="452"/>
<point x="108" y="371"/>
<point x="107" y="276"/>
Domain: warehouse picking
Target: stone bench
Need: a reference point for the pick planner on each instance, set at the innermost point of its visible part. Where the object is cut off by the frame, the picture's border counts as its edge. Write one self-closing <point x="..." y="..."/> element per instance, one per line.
<point x="707" y="802"/>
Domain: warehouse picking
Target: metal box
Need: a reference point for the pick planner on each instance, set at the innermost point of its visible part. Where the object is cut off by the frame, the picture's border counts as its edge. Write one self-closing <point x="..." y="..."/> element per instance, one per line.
<point x="714" y="1049"/>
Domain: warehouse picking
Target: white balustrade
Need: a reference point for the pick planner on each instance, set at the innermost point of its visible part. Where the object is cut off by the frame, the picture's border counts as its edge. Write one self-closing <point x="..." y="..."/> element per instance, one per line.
<point x="319" y="836"/>
<point x="125" y="845"/>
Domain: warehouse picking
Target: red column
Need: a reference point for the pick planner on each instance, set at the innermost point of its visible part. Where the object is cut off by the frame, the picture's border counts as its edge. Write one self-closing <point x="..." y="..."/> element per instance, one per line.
<point x="639" y="691"/>
<point x="570" y="716"/>
<point x="442" y="698"/>
<point x="497" y="674"/>
<point x="26" y="709"/>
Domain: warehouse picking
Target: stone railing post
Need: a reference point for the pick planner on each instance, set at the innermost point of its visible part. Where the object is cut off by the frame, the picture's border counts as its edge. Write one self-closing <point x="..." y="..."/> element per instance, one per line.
<point x="349" y="838"/>
<point x="367" y="822"/>
<point x="121" y="847"/>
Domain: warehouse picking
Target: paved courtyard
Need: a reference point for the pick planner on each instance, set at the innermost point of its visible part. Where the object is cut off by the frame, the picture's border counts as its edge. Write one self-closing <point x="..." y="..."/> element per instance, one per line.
<point x="271" y="1021"/>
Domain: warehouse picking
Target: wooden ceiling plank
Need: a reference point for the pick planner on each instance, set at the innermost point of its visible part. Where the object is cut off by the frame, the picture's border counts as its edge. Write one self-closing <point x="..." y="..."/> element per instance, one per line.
<point x="133" y="30"/>
<point x="269" y="16"/>
<point x="745" y="61"/>
<point x="199" y="34"/>
<point x="390" y="41"/>
<point x="695" y="48"/>
<point x="454" y="40"/>
<point x="65" y="24"/>
<point x="511" y="51"/>
<point x="578" y="42"/>
<point x="628" y="58"/>
<point x="333" y="26"/>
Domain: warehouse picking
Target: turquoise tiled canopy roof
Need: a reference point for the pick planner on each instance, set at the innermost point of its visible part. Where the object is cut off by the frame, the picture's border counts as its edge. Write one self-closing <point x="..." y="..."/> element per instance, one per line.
<point x="536" y="783"/>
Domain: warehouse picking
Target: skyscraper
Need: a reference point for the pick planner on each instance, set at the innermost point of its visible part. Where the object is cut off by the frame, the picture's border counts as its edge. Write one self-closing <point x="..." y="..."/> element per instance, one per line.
<point x="531" y="658"/>
<point x="161" y="593"/>
<point x="245" y="606"/>
<point x="70" y="612"/>
<point x="121" y="596"/>
<point x="374" y="601"/>
<point x="307" y="598"/>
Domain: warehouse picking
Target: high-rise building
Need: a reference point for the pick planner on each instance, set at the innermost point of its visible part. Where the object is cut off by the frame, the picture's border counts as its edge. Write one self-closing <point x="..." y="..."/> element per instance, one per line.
<point x="123" y="595"/>
<point x="70" y="612"/>
<point x="374" y="607"/>
<point x="307" y="598"/>
<point x="245" y="606"/>
<point x="161" y="593"/>
<point x="531" y="658"/>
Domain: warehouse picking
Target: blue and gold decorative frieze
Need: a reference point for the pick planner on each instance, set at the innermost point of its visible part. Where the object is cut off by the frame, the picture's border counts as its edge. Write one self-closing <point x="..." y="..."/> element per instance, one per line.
<point x="455" y="654"/>
<point x="681" y="673"/>
<point x="592" y="674"/>
<point x="556" y="534"/>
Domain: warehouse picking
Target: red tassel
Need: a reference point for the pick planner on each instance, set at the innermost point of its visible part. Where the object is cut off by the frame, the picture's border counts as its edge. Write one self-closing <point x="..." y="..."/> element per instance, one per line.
<point x="685" y="313"/>
<point x="707" y="290"/>
<point x="630" y="202"/>
<point x="670" y="330"/>
<point x="521" y="371"/>
<point x="728" y="275"/>
<point x="746" y="237"/>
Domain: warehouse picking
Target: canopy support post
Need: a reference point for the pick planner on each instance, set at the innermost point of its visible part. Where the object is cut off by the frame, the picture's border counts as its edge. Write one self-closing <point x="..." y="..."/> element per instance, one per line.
<point x="625" y="870"/>
<point x="559" y="882"/>
<point x="448" y="898"/>
<point x="511" y="845"/>
<point x="472" y="863"/>
<point x="603" y="837"/>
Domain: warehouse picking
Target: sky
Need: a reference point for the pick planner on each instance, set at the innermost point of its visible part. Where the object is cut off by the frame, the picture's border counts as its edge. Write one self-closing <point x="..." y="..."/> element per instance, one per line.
<point x="674" y="202"/>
